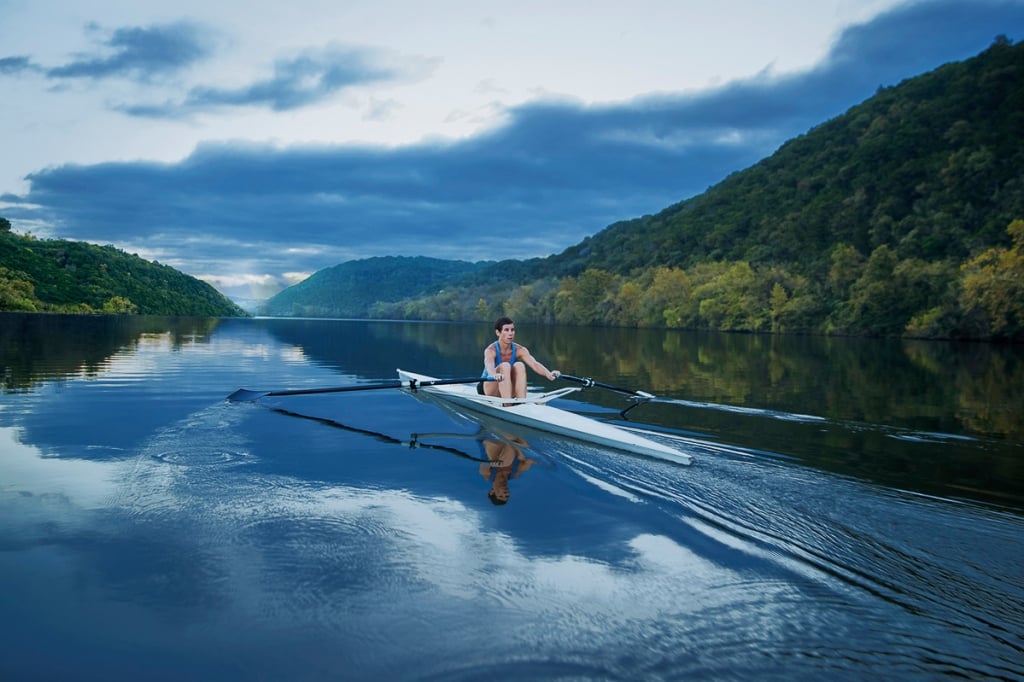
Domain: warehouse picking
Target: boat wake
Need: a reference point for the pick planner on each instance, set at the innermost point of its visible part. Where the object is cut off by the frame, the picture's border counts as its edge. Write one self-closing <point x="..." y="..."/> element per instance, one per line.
<point x="737" y="409"/>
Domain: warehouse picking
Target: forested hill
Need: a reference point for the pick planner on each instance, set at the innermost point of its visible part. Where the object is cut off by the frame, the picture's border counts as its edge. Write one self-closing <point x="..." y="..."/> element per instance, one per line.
<point x="352" y="288"/>
<point x="75" y="277"/>
<point x="932" y="168"/>
<point x="895" y="218"/>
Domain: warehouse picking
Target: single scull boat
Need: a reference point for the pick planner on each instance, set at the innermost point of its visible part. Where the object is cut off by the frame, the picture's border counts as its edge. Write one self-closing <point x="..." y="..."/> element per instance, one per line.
<point x="534" y="411"/>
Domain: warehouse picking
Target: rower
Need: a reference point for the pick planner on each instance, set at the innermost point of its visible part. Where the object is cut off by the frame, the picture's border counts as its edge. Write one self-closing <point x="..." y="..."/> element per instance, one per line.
<point x="506" y="361"/>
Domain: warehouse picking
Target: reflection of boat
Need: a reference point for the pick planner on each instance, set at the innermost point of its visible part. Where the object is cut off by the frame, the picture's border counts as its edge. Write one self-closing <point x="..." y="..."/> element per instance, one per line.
<point x="534" y="411"/>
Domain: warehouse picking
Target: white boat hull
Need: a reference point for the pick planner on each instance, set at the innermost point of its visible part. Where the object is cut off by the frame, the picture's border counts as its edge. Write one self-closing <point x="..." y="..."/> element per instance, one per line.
<point x="535" y="413"/>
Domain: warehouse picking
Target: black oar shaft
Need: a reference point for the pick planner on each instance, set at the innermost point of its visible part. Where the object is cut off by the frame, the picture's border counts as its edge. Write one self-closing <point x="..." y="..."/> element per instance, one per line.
<point x="587" y="382"/>
<point x="245" y="395"/>
<point x="337" y="389"/>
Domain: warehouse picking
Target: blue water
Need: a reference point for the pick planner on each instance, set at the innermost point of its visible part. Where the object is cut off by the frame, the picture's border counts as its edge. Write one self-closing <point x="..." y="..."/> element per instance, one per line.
<point x="150" y="529"/>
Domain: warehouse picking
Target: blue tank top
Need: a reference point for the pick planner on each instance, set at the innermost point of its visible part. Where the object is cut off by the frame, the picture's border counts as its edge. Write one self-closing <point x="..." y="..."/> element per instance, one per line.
<point x="497" y="357"/>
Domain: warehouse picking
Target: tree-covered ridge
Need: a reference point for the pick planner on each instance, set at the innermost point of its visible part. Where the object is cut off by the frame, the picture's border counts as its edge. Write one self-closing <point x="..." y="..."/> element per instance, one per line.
<point x="883" y="295"/>
<point x="61" y="276"/>
<point x="351" y="289"/>
<point x="932" y="168"/>
<point x="898" y="217"/>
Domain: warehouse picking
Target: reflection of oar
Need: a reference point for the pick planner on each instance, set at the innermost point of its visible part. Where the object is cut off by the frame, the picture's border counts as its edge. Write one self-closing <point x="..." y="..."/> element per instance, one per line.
<point x="639" y="396"/>
<point x="245" y="395"/>
<point x="414" y="443"/>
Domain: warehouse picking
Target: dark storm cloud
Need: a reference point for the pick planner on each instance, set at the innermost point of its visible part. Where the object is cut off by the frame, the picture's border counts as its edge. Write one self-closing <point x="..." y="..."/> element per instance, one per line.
<point x="554" y="173"/>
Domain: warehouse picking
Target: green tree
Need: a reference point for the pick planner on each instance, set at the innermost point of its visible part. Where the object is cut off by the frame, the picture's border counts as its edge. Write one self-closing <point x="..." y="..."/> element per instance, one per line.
<point x="661" y="303"/>
<point x="778" y="300"/>
<point x="627" y="305"/>
<point x="875" y="298"/>
<point x="593" y="292"/>
<point x="847" y="265"/>
<point x="993" y="288"/>
<point x="482" y="312"/>
<point x="17" y="292"/>
<point x="119" y="305"/>
<point x="520" y="304"/>
<point x="731" y="301"/>
<point x="565" y="310"/>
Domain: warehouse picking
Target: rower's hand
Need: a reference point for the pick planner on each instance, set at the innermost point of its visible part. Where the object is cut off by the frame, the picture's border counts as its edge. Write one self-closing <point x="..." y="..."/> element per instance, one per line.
<point x="555" y="374"/>
<point x="497" y="377"/>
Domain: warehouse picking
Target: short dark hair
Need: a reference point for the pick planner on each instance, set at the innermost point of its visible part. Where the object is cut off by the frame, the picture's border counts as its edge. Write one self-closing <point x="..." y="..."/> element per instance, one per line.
<point x="495" y="500"/>
<point x="501" y="322"/>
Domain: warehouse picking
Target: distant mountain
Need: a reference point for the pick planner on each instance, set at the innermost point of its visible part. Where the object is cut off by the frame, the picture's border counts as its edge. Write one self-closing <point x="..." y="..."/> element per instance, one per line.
<point x="248" y="304"/>
<point x="55" y="275"/>
<point x="351" y="289"/>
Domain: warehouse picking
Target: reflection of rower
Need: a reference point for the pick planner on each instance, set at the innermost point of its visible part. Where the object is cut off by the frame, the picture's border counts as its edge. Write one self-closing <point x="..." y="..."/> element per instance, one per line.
<point x="505" y="462"/>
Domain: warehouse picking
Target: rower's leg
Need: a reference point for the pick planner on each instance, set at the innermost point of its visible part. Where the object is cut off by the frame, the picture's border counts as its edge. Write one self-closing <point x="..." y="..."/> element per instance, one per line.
<point x="492" y="389"/>
<point x="505" y="385"/>
<point x="519" y="379"/>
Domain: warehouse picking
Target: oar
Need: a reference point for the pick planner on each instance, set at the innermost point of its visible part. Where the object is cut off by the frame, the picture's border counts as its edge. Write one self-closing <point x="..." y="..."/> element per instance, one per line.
<point x="245" y="395"/>
<point x="588" y="382"/>
<point x="639" y="396"/>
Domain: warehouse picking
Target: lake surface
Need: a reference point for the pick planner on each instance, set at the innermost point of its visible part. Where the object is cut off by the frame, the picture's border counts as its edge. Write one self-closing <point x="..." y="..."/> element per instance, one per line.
<point x="855" y="508"/>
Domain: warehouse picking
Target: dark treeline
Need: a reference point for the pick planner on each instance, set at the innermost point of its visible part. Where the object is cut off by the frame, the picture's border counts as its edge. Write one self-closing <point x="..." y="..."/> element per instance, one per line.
<point x="881" y="295"/>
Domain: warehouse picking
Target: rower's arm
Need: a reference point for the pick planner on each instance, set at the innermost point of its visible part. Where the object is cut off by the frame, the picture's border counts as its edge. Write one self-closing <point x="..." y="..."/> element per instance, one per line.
<point x="490" y="360"/>
<point x="538" y="367"/>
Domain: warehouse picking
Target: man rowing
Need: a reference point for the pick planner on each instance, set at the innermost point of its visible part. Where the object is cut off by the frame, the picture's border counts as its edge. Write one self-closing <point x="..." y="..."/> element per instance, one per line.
<point x="506" y="362"/>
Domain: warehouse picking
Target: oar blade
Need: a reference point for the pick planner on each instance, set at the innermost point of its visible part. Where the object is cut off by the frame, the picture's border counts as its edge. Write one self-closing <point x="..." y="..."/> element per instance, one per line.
<point x="243" y="395"/>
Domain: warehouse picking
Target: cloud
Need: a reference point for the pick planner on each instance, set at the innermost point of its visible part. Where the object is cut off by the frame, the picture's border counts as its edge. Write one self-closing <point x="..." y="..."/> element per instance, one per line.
<point x="141" y="53"/>
<point x="551" y="174"/>
<point x="300" y="81"/>
<point x="146" y="54"/>
<point x="16" y="65"/>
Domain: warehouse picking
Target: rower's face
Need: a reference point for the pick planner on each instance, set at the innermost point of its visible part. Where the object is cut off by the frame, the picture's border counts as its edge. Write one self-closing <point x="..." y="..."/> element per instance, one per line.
<point x="500" y="488"/>
<point x="507" y="332"/>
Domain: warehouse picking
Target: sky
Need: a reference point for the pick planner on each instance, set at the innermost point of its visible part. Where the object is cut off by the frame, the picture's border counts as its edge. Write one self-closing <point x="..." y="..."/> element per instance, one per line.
<point x="251" y="144"/>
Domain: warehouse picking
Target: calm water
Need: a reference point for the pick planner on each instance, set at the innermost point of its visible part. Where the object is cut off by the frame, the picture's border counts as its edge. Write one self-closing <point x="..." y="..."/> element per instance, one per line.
<point x="855" y="509"/>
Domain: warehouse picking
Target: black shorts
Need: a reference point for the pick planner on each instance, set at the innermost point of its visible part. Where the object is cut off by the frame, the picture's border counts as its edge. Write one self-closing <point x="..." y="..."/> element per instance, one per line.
<point x="480" y="388"/>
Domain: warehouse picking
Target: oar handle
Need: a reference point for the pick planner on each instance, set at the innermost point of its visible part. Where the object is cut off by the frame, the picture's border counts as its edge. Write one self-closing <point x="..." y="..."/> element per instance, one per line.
<point x="588" y="382"/>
